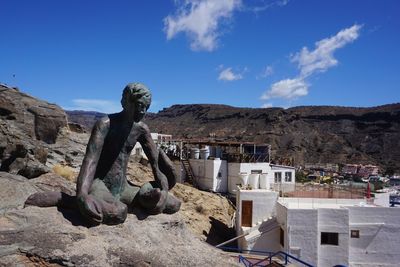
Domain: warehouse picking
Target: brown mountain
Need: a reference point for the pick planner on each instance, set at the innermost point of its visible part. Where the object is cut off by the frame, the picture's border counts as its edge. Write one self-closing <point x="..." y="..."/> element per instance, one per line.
<point x="313" y="134"/>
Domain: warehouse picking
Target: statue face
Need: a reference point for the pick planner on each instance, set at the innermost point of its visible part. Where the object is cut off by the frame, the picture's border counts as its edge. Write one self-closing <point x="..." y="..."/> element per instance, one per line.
<point x="138" y="108"/>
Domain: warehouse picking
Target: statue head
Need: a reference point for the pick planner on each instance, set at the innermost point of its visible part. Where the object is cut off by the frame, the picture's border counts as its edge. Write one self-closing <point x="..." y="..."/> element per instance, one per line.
<point x="136" y="98"/>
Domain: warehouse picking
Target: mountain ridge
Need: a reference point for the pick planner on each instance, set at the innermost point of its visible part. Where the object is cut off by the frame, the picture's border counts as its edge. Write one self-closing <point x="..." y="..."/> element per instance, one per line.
<point x="306" y="134"/>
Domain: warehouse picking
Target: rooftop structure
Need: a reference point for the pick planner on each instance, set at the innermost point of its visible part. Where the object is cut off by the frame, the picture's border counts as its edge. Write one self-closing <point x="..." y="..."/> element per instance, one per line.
<point x="360" y="170"/>
<point x="230" y="151"/>
<point x="320" y="231"/>
<point x="222" y="166"/>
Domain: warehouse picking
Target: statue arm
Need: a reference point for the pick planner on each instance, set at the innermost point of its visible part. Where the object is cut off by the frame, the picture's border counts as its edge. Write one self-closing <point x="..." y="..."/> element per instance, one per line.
<point x="92" y="155"/>
<point x="152" y="154"/>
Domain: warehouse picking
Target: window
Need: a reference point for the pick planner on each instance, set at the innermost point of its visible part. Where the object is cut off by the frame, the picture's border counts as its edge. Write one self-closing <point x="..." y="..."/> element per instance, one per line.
<point x="256" y="171"/>
<point x="278" y="177"/>
<point x="355" y="233"/>
<point x="138" y="151"/>
<point x="282" y="237"/>
<point x="329" y="238"/>
<point x="288" y="176"/>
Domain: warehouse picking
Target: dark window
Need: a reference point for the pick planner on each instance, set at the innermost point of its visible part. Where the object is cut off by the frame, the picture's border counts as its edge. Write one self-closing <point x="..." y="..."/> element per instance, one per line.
<point x="282" y="237"/>
<point x="355" y="234"/>
<point x="288" y="177"/>
<point x="256" y="171"/>
<point x="278" y="177"/>
<point x="329" y="238"/>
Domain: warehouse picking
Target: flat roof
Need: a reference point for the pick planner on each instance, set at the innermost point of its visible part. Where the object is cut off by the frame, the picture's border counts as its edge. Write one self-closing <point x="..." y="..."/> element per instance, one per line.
<point x="283" y="166"/>
<point x="321" y="203"/>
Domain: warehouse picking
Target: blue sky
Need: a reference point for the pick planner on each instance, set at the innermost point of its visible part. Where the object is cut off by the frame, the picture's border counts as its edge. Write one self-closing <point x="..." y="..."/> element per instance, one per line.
<point x="247" y="53"/>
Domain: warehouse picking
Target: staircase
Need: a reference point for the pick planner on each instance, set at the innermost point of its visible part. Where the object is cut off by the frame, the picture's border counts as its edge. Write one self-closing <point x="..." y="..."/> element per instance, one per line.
<point x="189" y="173"/>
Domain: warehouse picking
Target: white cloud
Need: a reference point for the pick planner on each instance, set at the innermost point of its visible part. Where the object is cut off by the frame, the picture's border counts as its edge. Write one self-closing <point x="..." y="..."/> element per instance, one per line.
<point x="266" y="105"/>
<point x="311" y="62"/>
<point x="267" y="71"/>
<point x="228" y="75"/>
<point x="201" y="21"/>
<point x="266" y="5"/>
<point x="99" y="105"/>
<point x="321" y="58"/>
<point x="287" y="89"/>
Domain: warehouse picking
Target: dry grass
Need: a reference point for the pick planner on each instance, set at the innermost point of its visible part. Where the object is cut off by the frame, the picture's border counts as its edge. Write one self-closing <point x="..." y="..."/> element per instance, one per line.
<point x="200" y="209"/>
<point x="65" y="171"/>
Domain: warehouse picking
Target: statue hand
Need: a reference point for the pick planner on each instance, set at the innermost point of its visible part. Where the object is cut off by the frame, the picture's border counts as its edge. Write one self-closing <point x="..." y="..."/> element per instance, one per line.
<point x="90" y="208"/>
<point x="162" y="202"/>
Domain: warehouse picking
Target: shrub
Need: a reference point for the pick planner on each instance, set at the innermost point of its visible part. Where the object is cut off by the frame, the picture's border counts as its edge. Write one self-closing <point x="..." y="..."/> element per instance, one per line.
<point x="200" y="209"/>
<point x="65" y="171"/>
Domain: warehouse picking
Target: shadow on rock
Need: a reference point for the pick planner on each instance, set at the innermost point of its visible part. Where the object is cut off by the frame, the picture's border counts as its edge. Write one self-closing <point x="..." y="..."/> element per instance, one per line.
<point x="74" y="217"/>
<point x="219" y="233"/>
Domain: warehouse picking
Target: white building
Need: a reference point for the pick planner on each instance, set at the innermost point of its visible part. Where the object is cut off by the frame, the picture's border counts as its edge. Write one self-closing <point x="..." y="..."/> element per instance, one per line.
<point x="224" y="166"/>
<point x="322" y="232"/>
<point x="222" y="176"/>
<point x="158" y="139"/>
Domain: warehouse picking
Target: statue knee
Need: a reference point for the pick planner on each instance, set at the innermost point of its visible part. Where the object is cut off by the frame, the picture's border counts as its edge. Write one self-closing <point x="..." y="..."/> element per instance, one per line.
<point x="173" y="204"/>
<point x="149" y="196"/>
<point x="114" y="213"/>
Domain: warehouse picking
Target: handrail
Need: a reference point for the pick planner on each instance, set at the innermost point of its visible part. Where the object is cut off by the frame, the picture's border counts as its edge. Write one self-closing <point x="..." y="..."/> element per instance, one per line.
<point x="286" y="256"/>
<point x="269" y="257"/>
<point x="231" y="240"/>
<point x="246" y="250"/>
<point x="245" y="261"/>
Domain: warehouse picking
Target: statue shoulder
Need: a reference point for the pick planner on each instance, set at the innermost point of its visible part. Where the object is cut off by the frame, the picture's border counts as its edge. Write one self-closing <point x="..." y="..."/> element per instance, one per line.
<point x="103" y="124"/>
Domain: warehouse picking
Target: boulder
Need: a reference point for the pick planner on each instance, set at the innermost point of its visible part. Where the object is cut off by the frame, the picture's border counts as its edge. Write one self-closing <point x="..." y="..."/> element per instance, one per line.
<point x="36" y="236"/>
<point x="39" y="119"/>
<point x="30" y="131"/>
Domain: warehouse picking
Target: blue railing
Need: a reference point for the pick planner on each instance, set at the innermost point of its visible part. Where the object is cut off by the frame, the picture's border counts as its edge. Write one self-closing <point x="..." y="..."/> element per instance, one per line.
<point x="245" y="261"/>
<point x="286" y="257"/>
<point x="268" y="259"/>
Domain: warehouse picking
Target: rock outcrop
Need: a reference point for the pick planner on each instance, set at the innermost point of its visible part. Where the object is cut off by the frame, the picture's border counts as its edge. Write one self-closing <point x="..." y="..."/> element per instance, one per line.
<point x="31" y="133"/>
<point x="35" y="236"/>
<point x="37" y="119"/>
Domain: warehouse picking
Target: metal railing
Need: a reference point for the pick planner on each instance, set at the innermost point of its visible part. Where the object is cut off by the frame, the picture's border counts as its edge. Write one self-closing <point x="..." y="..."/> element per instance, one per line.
<point x="285" y="256"/>
<point x="246" y="157"/>
<point x="268" y="260"/>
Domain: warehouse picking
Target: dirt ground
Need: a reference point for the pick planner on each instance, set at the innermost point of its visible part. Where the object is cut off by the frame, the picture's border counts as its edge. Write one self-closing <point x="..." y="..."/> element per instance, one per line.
<point x="208" y="215"/>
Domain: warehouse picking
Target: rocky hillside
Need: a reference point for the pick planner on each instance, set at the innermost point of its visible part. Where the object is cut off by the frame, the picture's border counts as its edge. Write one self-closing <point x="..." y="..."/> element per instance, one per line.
<point x="85" y="119"/>
<point x="307" y="134"/>
<point x="313" y="134"/>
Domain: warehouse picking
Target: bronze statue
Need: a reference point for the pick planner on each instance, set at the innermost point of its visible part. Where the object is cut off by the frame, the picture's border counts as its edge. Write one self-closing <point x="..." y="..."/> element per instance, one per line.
<point x="103" y="193"/>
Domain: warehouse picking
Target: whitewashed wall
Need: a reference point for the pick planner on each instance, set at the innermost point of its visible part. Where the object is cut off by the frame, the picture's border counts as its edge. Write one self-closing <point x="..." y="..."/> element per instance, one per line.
<point x="235" y="168"/>
<point x="302" y="234"/>
<point x="382" y="199"/>
<point x="336" y="221"/>
<point x="283" y="186"/>
<point x="264" y="203"/>
<point x="379" y="242"/>
<point x="207" y="174"/>
<point x="263" y="218"/>
<point x="281" y="218"/>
